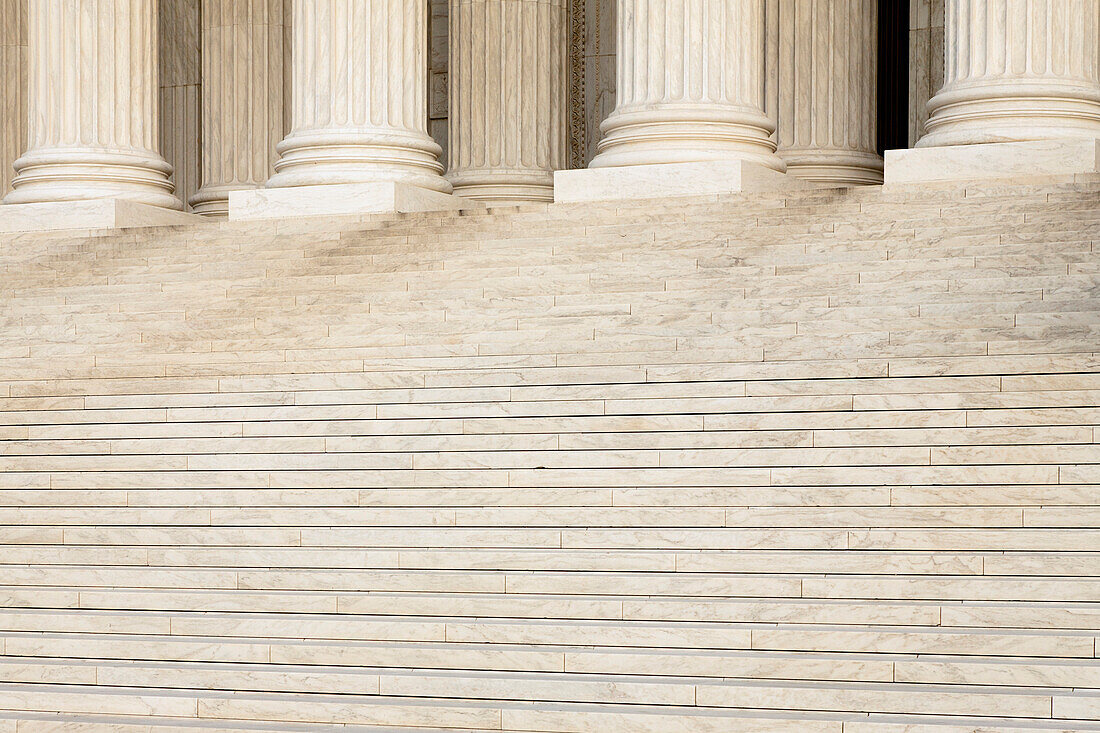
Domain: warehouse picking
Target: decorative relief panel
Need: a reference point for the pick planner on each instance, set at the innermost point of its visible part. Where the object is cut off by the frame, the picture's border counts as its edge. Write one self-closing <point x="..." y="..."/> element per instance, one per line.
<point x="180" y="93"/>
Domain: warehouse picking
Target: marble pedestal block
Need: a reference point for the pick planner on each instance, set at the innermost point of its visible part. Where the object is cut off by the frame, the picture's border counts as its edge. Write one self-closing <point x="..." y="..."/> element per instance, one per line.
<point x="91" y="214"/>
<point x="665" y="180"/>
<point x="340" y="199"/>
<point x="1035" y="159"/>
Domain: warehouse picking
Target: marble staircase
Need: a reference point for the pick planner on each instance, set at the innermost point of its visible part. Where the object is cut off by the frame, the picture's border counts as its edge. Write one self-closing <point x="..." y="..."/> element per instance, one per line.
<point x="822" y="461"/>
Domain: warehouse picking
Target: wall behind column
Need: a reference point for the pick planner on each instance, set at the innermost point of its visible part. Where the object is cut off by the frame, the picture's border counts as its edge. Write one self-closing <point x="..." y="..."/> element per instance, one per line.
<point x="597" y="99"/>
<point x="13" y="81"/>
<point x="925" y="61"/>
<point x="180" y="93"/>
<point x="438" y="51"/>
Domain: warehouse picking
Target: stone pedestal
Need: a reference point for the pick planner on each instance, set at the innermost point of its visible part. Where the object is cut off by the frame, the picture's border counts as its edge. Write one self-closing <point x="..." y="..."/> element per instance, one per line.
<point x="359" y="109"/>
<point x="826" y="101"/>
<point x="93" y="105"/>
<point x="340" y="199"/>
<point x="670" y="180"/>
<point x="242" y="83"/>
<point x="509" y="99"/>
<point x="1032" y="159"/>
<point x="112" y="213"/>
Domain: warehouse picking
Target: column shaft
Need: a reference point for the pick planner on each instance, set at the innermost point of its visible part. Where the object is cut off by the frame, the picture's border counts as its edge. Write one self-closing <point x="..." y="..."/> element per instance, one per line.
<point x="1017" y="70"/>
<point x="508" y="115"/>
<point x="690" y="84"/>
<point x="360" y="96"/>
<point x="13" y="75"/>
<point x="827" y="76"/>
<point x="92" y="104"/>
<point x="242" y="113"/>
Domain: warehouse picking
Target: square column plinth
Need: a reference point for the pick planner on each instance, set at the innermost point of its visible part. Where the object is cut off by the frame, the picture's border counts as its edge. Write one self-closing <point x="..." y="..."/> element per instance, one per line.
<point x="1038" y="159"/>
<point x="667" y="180"/>
<point x="94" y="214"/>
<point x="339" y="199"/>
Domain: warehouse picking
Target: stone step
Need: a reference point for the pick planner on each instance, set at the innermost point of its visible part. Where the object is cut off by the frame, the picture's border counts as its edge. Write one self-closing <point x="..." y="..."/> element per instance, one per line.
<point x="911" y="639"/>
<point x="452" y="713"/>
<point x="866" y="697"/>
<point x="876" y="610"/>
<point x="584" y="582"/>
<point x="746" y="664"/>
<point x="1082" y="564"/>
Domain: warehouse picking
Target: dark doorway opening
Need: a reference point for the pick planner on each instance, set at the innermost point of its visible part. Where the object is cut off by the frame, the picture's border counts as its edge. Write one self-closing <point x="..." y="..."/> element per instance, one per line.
<point x="893" y="74"/>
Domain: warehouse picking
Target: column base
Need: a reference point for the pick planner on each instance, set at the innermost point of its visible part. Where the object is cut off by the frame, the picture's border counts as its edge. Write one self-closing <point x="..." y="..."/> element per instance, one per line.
<point x="1037" y="159"/>
<point x="92" y="214"/>
<point x="666" y="180"/>
<point x="340" y="199"/>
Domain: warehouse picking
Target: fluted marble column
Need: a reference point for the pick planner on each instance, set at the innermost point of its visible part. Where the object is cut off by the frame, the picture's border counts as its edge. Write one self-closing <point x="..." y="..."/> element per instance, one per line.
<point x="690" y="85"/>
<point x="13" y="77"/>
<point x="827" y="105"/>
<point x="509" y="99"/>
<point x="1017" y="70"/>
<point x="242" y="105"/>
<point x="92" y="104"/>
<point x="359" y="96"/>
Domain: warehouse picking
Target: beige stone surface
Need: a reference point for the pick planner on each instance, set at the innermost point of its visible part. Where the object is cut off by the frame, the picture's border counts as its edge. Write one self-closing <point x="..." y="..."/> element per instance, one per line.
<point x="339" y="199"/>
<point x="805" y="459"/>
<point x="668" y="180"/>
<point x="1005" y="160"/>
<point x="94" y="214"/>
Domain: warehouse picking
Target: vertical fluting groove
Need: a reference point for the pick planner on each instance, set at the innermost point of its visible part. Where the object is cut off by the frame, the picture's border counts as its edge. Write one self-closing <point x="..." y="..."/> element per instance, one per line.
<point x="691" y="84"/>
<point x="508" y="81"/>
<point x="243" y="99"/>
<point x="1017" y="70"/>
<point x="13" y="74"/>
<point x="93" y="90"/>
<point x="827" y="75"/>
<point x="360" y="96"/>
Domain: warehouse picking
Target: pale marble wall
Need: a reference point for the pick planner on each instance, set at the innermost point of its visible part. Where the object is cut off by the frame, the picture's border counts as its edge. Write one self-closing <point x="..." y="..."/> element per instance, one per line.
<point x="180" y="93"/>
<point x="13" y="81"/>
<point x="925" y="61"/>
